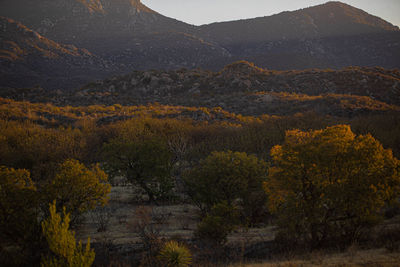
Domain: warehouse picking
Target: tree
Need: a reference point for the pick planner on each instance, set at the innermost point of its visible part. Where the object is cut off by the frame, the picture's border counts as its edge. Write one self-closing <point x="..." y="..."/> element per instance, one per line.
<point x="77" y="188"/>
<point x="326" y="184"/>
<point x="18" y="214"/>
<point x="217" y="224"/>
<point x="37" y="149"/>
<point x="144" y="161"/>
<point x="62" y="244"/>
<point x="233" y="177"/>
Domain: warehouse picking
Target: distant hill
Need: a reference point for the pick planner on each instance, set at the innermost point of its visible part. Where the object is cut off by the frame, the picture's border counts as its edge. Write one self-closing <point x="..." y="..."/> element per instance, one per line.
<point x="332" y="35"/>
<point x="27" y="59"/>
<point x="242" y="88"/>
<point x="131" y="36"/>
<point x="327" y="20"/>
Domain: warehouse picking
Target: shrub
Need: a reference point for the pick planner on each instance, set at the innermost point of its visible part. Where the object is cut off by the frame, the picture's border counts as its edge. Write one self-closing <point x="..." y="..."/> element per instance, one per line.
<point x="62" y="244"/>
<point x="174" y="254"/>
<point x="215" y="226"/>
<point x="18" y="216"/>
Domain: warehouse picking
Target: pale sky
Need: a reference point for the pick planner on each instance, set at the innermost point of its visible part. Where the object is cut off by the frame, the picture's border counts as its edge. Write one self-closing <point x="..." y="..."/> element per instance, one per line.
<point x="199" y="12"/>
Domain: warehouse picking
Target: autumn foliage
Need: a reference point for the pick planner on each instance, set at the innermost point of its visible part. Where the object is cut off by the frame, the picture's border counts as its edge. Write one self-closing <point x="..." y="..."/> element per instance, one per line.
<point x="77" y="188"/>
<point x="62" y="244"/>
<point x="327" y="185"/>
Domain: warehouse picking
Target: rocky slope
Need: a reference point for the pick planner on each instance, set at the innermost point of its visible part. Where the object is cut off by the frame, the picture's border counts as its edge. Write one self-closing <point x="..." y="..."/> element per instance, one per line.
<point x="125" y="31"/>
<point x="242" y="88"/>
<point x="27" y="58"/>
<point x="81" y="21"/>
<point x="244" y="77"/>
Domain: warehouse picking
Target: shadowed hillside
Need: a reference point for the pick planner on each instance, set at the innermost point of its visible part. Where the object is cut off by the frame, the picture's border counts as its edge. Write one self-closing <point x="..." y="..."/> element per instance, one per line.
<point x="27" y="59"/>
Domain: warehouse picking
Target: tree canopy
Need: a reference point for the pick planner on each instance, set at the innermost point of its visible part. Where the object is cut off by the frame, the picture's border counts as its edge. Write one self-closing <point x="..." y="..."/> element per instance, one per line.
<point x="144" y="161"/>
<point x="327" y="184"/>
<point x="231" y="177"/>
<point x="77" y="188"/>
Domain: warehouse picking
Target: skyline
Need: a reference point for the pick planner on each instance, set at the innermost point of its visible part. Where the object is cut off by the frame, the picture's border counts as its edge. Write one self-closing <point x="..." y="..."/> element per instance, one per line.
<point x="210" y="11"/>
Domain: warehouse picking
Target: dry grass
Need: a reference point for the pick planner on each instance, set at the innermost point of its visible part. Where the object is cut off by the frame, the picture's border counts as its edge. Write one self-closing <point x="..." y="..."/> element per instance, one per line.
<point x="171" y="221"/>
<point x="351" y="258"/>
<point x="179" y="221"/>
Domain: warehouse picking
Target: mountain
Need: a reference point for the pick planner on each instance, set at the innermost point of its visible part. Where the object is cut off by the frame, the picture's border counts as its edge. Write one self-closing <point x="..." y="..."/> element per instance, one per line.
<point x="331" y="35"/>
<point x="27" y="59"/>
<point x="84" y="21"/>
<point x="125" y="31"/>
<point x="327" y="20"/>
<point x="131" y="36"/>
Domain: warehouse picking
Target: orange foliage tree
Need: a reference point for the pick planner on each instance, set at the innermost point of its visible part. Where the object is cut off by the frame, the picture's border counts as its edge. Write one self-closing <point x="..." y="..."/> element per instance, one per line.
<point x="326" y="185"/>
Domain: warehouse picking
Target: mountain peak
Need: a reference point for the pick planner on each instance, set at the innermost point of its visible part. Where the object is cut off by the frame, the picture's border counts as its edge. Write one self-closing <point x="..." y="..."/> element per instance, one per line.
<point x="332" y="19"/>
<point x="345" y="19"/>
<point x="120" y="6"/>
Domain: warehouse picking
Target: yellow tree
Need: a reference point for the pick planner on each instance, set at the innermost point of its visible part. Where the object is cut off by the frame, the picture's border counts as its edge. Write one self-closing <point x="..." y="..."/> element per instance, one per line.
<point x="62" y="244"/>
<point x="326" y="185"/>
<point x="18" y="216"/>
<point x="77" y="188"/>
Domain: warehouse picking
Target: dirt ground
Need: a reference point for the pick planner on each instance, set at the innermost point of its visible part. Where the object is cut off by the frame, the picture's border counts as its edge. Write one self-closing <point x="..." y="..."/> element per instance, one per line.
<point x="117" y="224"/>
<point x="177" y="221"/>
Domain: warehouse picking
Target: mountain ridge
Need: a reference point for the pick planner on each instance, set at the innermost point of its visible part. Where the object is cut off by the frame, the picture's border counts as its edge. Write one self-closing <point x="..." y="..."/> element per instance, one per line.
<point x="313" y="22"/>
<point x="132" y="36"/>
<point x="328" y="3"/>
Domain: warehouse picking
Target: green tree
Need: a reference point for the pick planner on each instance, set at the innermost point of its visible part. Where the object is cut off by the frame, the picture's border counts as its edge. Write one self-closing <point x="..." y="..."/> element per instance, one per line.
<point x="144" y="161"/>
<point x="62" y="244"/>
<point x="326" y="184"/>
<point x="233" y="177"/>
<point x="218" y="223"/>
<point x="77" y="188"/>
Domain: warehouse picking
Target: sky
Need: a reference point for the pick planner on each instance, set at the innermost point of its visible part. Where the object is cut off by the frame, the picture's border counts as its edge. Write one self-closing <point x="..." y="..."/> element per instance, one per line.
<point x="200" y="12"/>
